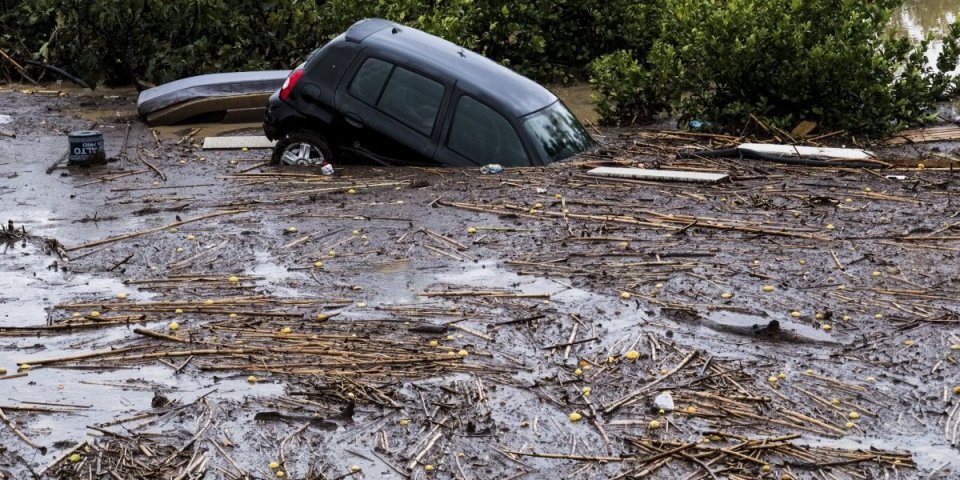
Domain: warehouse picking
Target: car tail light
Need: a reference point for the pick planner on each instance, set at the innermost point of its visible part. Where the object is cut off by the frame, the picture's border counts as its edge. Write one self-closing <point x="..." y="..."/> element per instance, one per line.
<point x="289" y="83"/>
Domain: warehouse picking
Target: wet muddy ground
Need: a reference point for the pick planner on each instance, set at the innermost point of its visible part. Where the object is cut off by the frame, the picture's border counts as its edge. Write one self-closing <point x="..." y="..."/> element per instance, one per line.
<point x="205" y="316"/>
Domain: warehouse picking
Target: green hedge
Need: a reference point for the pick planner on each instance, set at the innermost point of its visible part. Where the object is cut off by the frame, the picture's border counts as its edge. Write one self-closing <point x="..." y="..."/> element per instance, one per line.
<point x="829" y="61"/>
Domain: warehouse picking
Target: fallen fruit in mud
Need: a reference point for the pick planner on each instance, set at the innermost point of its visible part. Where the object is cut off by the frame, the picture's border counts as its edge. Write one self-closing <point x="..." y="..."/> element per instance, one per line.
<point x="332" y="253"/>
<point x="632" y="355"/>
<point x="292" y="229"/>
<point x="795" y="314"/>
<point x="654" y="424"/>
<point x="830" y="226"/>
<point x="233" y="279"/>
<point x="178" y="311"/>
<point x="361" y="305"/>
<point x="772" y="379"/>
<point x="208" y="302"/>
<point x="74" y="458"/>
<point x="173" y="326"/>
<point x="878" y="316"/>
<point x="274" y="465"/>
<point x="286" y="330"/>
<point x="179" y="249"/>
<point x="318" y="264"/>
<point x="625" y="295"/>
<point x="871" y="379"/>
<point x="854" y="415"/>
<point x="191" y="237"/>
<point x="768" y="288"/>
<point x="765" y="468"/>
<point x="726" y="295"/>
<point x="404" y="422"/>
<point x="173" y="230"/>
<point x="586" y="391"/>
<point x="850" y="425"/>
<point x="232" y="315"/>
<point x="471" y="231"/>
<point x="354" y="468"/>
<point x="279" y="474"/>
<point x="876" y="274"/>
<point x="434" y="343"/>
<point x="463" y="353"/>
<point x="691" y="409"/>
<point x="826" y="327"/>
<point x="846" y="318"/>
<point x="23" y="366"/>
<point x="428" y="468"/>
<point x="322" y="317"/>
<point x="3" y="372"/>
<point x="122" y="296"/>
<point x="351" y="191"/>
<point x="578" y="372"/>
<point x="253" y="379"/>
<point x="94" y="314"/>
<point x="908" y="342"/>
<point x="575" y="417"/>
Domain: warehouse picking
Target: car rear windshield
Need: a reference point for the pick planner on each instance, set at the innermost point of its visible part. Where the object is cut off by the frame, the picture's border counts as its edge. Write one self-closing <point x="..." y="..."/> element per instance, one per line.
<point x="558" y="131"/>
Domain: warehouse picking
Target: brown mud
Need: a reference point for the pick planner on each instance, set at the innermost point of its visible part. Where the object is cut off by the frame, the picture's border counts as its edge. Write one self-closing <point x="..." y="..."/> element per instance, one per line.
<point x="805" y="321"/>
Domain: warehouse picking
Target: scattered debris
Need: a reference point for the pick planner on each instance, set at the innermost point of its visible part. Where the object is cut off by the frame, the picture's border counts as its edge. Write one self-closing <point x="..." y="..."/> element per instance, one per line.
<point x="659" y="175"/>
<point x="237" y="143"/>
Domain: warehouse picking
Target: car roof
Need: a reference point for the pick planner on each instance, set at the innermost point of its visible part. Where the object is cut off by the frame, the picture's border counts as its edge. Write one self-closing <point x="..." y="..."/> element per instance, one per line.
<point x="474" y="73"/>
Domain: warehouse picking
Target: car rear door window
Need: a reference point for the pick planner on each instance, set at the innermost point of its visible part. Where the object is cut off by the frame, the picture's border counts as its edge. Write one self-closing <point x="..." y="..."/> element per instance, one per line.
<point x="413" y="99"/>
<point x="369" y="80"/>
<point x="482" y="135"/>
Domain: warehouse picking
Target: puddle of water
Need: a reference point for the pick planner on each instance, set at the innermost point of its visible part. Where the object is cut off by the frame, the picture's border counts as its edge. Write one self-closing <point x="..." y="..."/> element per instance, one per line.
<point x="577" y="98"/>
<point x="924" y="451"/>
<point x="916" y="18"/>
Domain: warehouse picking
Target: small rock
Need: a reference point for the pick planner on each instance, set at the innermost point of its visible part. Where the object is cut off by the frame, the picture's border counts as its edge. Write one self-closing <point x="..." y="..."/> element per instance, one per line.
<point x="664" y="402"/>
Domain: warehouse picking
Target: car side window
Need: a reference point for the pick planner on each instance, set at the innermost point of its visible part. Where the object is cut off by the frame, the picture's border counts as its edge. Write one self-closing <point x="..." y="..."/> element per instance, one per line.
<point x="413" y="99"/>
<point x="482" y="135"/>
<point x="369" y="80"/>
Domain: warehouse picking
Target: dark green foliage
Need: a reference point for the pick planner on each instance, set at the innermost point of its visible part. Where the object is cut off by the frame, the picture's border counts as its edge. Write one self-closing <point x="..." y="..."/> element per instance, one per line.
<point x="830" y="61"/>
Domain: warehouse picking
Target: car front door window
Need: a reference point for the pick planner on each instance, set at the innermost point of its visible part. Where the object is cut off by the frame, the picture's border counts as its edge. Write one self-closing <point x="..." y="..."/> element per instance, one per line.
<point x="483" y="136"/>
<point x="412" y="99"/>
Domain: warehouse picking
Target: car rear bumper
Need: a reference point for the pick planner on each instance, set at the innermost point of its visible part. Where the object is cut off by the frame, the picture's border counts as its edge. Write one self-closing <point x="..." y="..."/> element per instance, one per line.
<point x="279" y="114"/>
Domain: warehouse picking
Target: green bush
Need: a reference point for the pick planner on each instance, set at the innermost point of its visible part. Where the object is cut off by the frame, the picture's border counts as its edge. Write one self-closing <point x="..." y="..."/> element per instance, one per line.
<point x="829" y="61"/>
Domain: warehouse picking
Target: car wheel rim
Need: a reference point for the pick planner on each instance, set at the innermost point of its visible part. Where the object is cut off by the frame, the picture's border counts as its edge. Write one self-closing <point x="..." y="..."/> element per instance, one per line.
<point x="303" y="153"/>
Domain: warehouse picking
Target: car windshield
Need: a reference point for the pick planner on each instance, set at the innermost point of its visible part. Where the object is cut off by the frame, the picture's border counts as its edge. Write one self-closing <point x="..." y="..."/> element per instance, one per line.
<point x="558" y="131"/>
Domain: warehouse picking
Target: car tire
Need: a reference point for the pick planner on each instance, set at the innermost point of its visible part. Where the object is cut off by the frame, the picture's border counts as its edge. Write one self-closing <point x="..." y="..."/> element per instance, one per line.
<point x="302" y="149"/>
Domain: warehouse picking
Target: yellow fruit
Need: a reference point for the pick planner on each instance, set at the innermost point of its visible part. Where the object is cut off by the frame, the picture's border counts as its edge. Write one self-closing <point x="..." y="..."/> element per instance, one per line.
<point x="846" y="318"/>
<point x="356" y="233"/>
<point x="956" y="390"/>
<point x="781" y="375"/>
<point x="179" y="249"/>
<point x="854" y="415"/>
<point x="122" y="296"/>
<point x="404" y="422"/>
<point x="245" y="149"/>
<point x="178" y="311"/>
<point x="908" y="342"/>
<point x="253" y="379"/>
<point x="3" y="371"/>
<point x="292" y="229"/>
<point x="575" y="417"/>
<point x="208" y="302"/>
<point x="173" y="230"/>
<point x="354" y="468"/>
<point x="625" y="295"/>
<point x="818" y="315"/>
<point x="587" y="391"/>
<point x="463" y="353"/>
<point x="664" y="371"/>
<point x="24" y="366"/>
<point x="428" y="468"/>
<point x="834" y="401"/>
<point x="772" y="379"/>
<point x="920" y="166"/>
<point x="871" y="379"/>
<point x="94" y="314"/>
<point x="286" y="330"/>
<point x="351" y="191"/>
<point x="632" y="355"/>
<point x="654" y="424"/>
<point x="279" y="474"/>
<point x="659" y="285"/>
<point x="726" y="295"/>
<point x="557" y="196"/>
<point x="691" y="409"/>
<point x="826" y="327"/>
<point x="318" y="264"/>
<point x="274" y="465"/>
<point x="803" y="262"/>
<point x="867" y="189"/>
<point x="233" y="279"/>
<point x="332" y="253"/>
<point x="830" y="226"/>
<point x="876" y="274"/>
<point x="768" y="288"/>
<point x="538" y="205"/>
<point x="173" y="326"/>
<point x="850" y="425"/>
<point x="578" y="372"/>
<point x="449" y="338"/>
<point x="955" y="347"/>
<point x="74" y="458"/>
<point x="878" y="316"/>
<point x="232" y="315"/>
<point x="434" y="343"/>
<point x="471" y="231"/>
<point x="795" y="314"/>
<point x="191" y="237"/>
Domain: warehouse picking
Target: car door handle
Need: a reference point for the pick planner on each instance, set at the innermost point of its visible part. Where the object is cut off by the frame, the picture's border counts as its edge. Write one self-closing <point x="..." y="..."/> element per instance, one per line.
<point x="353" y="119"/>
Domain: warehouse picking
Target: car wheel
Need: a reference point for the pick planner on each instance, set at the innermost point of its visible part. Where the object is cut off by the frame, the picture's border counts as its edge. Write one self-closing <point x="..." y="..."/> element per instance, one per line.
<point x="302" y="149"/>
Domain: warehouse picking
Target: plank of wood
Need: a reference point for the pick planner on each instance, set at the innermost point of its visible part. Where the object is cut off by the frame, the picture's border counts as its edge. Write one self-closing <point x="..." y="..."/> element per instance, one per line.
<point x="804" y="151"/>
<point x="933" y="134"/>
<point x="659" y="175"/>
<point x="237" y="143"/>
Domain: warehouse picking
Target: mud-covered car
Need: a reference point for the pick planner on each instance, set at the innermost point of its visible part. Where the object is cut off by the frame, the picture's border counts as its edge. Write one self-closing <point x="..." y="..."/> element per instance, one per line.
<point x="393" y="95"/>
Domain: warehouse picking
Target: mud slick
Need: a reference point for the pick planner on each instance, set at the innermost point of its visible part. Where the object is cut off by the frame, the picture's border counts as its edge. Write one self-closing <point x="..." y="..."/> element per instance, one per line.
<point x="185" y="314"/>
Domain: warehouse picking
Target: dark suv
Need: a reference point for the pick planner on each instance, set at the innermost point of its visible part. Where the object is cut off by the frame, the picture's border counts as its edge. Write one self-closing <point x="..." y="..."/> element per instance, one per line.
<point x="396" y="95"/>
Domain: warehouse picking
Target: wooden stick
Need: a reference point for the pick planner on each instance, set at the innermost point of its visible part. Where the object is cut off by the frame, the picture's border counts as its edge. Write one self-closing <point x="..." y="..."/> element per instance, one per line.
<point x="20" y="434"/>
<point x="157" y="229"/>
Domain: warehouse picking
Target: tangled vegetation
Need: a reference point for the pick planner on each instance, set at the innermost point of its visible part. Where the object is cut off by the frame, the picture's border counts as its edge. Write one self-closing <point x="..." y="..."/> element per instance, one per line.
<point x="724" y="62"/>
